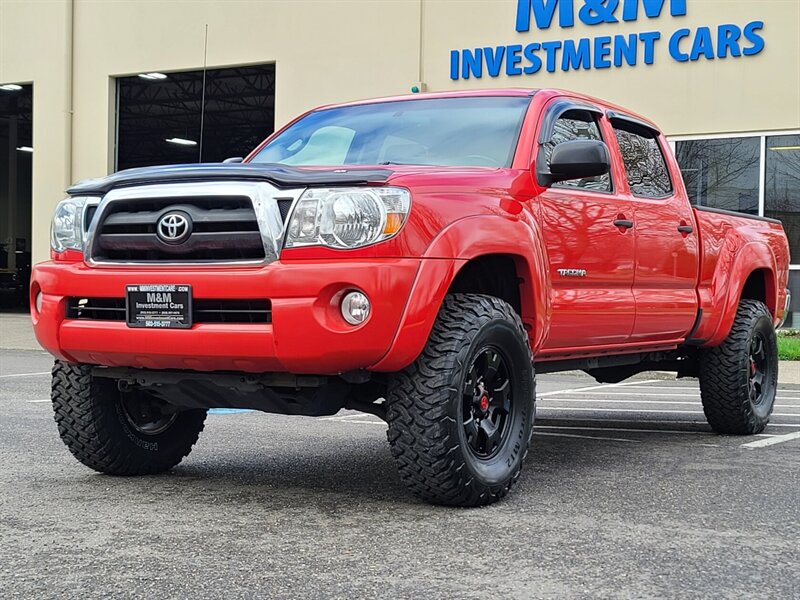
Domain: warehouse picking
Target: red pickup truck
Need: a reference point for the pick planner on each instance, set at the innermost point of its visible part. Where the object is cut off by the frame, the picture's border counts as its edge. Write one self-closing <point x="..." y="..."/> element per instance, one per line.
<point x="417" y="258"/>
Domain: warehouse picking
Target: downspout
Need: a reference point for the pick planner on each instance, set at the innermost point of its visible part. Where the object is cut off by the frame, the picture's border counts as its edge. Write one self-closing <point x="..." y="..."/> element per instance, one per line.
<point x="421" y="66"/>
<point x="69" y="67"/>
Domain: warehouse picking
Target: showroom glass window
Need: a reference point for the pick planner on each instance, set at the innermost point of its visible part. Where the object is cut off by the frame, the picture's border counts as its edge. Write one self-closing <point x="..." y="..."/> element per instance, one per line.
<point x="782" y="201"/>
<point x="721" y="173"/>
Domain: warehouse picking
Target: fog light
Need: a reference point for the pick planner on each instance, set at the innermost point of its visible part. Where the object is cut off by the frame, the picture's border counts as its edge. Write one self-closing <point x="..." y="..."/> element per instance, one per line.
<point x="355" y="308"/>
<point x="38" y="302"/>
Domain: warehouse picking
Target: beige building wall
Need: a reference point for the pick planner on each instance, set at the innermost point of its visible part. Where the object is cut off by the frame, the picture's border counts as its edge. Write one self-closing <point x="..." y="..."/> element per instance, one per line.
<point x="335" y="50"/>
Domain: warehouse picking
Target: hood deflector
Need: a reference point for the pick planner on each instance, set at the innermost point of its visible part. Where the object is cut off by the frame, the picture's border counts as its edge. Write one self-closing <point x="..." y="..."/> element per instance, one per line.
<point x="281" y="176"/>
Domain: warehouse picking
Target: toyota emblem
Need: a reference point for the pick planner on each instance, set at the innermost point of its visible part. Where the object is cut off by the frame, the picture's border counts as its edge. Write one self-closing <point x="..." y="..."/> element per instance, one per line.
<point x="174" y="227"/>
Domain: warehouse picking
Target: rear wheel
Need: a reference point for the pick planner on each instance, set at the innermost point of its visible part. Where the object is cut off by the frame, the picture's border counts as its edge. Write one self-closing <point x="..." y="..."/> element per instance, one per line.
<point x="119" y="433"/>
<point x="739" y="378"/>
<point x="461" y="417"/>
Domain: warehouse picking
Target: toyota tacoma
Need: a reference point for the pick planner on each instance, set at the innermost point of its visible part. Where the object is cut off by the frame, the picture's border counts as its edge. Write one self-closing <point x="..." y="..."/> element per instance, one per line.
<point x="418" y="258"/>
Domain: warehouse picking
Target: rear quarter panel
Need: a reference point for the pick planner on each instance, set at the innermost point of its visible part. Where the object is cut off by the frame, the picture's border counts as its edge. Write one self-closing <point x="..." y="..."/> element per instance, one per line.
<point x="732" y="248"/>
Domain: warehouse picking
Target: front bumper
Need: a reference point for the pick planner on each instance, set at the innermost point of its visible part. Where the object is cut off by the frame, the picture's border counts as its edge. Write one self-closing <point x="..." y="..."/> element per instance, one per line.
<point x="306" y="335"/>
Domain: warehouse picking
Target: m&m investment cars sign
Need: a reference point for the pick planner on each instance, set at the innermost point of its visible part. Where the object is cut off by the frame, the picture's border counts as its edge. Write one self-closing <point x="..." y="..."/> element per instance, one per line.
<point x="723" y="41"/>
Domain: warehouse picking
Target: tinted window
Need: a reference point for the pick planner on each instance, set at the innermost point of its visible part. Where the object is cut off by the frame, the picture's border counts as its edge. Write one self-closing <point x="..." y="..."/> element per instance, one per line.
<point x="721" y="173"/>
<point x="645" y="166"/>
<point x="576" y="125"/>
<point x="469" y="131"/>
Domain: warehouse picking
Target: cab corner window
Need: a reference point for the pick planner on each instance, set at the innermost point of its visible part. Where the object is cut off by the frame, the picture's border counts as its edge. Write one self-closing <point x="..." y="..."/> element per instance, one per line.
<point x="645" y="166"/>
<point x="576" y="125"/>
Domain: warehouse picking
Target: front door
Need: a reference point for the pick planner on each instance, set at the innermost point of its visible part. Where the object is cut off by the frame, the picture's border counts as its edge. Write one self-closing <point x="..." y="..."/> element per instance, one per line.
<point x="590" y="244"/>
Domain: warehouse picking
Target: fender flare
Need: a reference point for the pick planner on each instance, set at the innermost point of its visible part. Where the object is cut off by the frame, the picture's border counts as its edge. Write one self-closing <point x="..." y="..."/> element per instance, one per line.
<point x="727" y="286"/>
<point x="461" y="241"/>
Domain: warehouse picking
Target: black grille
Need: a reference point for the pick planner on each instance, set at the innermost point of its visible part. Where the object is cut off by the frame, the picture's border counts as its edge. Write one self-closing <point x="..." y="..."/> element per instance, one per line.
<point x="203" y="310"/>
<point x="224" y="228"/>
<point x="284" y="205"/>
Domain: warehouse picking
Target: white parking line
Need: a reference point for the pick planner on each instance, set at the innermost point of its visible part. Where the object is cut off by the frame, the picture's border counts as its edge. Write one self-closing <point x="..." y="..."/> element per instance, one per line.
<point x="635" y="430"/>
<point x="640" y="402"/>
<point x="42" y="400"/>
<point x="660" y="395"/>
<point x="643" y="410"/>
<point x="772" y="440"/>
<point x="586" y="437"/>
<point x="596" y="387"/>
<point x="344" y="417"/>
<point x="25" y="374"/>
<point x="537" y="432"/>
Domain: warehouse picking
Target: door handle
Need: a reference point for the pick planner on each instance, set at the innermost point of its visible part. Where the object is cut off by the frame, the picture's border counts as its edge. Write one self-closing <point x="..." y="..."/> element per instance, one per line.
<point x="623" y="223"/>
<point x="687" y="229"/>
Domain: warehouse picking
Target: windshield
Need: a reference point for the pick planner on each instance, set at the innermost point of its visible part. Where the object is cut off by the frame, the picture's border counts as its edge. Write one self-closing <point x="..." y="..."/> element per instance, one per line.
<point x="468" y="131"/>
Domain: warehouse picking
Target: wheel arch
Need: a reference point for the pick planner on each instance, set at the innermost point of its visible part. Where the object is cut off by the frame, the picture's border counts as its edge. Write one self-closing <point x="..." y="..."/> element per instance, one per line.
<point x="475" y="255"/>
<point x="751" y="277"/>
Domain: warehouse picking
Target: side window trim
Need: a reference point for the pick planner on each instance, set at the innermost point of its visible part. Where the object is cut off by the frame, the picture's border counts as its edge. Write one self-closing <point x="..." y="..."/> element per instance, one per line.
<point x="615" y="118"/>
<point x="613" y="115"/>
<point x="554" y="112"/>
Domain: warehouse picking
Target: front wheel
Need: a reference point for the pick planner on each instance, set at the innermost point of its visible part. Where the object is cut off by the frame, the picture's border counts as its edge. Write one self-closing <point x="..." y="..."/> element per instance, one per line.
<point x="739" y="378"/>
<point x="461" y="416"/>
<point x="119" y="433"/>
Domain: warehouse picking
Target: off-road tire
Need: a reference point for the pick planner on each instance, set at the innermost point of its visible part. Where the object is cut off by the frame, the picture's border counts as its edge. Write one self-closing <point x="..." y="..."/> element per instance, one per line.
<point x="92" y="423"/>
<point x="725" y="374"/>
<point x="425" y="403"/>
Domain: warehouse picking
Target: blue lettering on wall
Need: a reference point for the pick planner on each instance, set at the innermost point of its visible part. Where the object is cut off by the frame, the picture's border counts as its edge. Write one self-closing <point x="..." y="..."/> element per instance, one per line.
<point x="601" y="52"/>
<point x="530" y="57"/>
<point x="576" y="56"/>
<point x="653" y="8"/>
<point x="702" y="44"/>
<point x="728" y="40"/>
<point x="625" y="47"/>
<point x="752" y="37"/>
<point x="674" y="45"/>
<point x="593" y="12"/>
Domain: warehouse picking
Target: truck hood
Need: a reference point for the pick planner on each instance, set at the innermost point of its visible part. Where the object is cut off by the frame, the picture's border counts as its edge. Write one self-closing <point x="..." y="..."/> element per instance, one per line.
<point x="281" y="176"/>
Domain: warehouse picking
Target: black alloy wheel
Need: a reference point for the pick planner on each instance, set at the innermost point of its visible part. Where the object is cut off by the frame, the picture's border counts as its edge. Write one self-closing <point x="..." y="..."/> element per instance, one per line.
<point x="760" y="370"/>
<point x="488" y="397"/>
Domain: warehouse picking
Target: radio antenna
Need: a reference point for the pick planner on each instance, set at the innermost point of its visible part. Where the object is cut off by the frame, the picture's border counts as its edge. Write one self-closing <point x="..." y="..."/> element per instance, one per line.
<point x="203" y="96"/>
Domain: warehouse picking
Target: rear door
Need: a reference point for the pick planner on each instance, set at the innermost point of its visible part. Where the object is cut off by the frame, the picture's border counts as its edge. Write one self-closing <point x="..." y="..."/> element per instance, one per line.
<point x="589" y="244"/>
<point x="667" y="262"/>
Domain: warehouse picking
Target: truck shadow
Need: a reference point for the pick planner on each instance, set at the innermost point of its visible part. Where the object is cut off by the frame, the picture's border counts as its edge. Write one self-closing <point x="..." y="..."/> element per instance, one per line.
<point x="330" y="475"/>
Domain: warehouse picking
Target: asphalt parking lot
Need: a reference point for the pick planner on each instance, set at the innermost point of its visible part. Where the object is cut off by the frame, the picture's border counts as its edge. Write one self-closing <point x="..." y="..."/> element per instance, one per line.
<point x="626" y="493"/>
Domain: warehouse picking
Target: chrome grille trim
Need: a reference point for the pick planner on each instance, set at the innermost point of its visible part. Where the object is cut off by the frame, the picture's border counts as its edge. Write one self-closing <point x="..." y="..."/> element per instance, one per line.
<point x="263" y="196"/>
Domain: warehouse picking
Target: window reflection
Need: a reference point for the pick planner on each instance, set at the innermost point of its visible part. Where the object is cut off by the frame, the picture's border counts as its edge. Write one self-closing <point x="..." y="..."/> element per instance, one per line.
<point x="721" y="173"/>
<point x="782" y="189"/>
<point x="577" y="125"/>
<point x="644" y="164"/>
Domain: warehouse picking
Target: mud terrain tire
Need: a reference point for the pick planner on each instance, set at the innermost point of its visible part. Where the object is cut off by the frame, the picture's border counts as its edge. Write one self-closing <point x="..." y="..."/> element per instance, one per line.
<point x="461" y="416"/>
<point x="96" y="425"/>
<point x="739" y="378"/>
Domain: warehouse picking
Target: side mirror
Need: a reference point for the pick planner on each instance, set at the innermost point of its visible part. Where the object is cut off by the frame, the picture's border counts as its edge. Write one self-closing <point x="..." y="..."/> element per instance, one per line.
<point x="233" y="159"/>
<point x="576" y="159"/>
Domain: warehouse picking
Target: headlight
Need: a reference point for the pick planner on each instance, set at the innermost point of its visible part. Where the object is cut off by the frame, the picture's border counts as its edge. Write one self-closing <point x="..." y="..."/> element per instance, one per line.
<point x="347" y="217"/>
<point x="66" y="230"/>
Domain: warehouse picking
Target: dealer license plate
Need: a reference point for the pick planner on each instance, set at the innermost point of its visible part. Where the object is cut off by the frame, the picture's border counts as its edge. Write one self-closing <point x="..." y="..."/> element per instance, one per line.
<point x="159" y="306"/>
